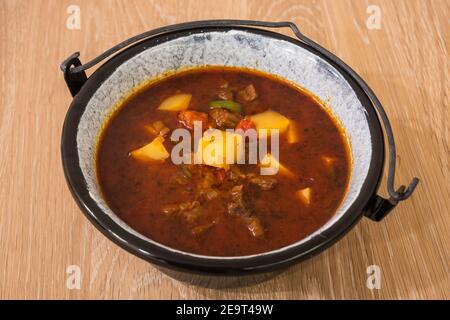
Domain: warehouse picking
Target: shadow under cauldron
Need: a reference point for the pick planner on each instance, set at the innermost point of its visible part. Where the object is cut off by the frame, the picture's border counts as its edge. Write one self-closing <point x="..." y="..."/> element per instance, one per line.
<point x="217" y="281"/>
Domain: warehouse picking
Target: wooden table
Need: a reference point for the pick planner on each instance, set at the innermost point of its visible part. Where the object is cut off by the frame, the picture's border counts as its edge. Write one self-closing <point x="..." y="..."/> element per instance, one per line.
<point x="42" y="231"/>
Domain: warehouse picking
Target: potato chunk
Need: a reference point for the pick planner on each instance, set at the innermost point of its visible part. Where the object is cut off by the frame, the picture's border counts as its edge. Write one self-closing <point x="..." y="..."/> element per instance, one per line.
<point x="255" y="227"/>
<point x="330" y="168"/>
<point x="270" y="120"/>
<point x="305" y="195"/>
<point x="293" y="132"/>
<point x="157" y="128"/>
<point x="270" y="161"/>
<point x="219" y="148"/>
<point x="177" y="102"/>
<point x="153" y="151"/>
<point x="328" y="161"/>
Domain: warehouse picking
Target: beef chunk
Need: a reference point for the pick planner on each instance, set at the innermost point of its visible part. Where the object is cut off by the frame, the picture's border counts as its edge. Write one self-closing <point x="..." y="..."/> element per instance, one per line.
<point x="237" y="205"/>
<point x="264" y="182"/>
<point x="225" y="94"/>
<point x="188" y="117"/>
<point x="248" y="93"/>
<point x="224" y="119"/>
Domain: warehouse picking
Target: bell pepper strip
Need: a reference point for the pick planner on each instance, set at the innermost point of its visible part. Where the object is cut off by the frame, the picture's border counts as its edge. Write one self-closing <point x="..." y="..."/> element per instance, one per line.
<point x="226" y="104"/>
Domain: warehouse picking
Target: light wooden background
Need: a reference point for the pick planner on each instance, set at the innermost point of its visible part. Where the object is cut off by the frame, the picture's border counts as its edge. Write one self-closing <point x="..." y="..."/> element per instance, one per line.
<point x="42" y="231"/>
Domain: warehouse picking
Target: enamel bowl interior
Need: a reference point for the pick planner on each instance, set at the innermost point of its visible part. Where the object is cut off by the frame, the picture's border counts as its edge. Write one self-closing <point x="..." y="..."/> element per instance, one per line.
<point x="230" y="48"/>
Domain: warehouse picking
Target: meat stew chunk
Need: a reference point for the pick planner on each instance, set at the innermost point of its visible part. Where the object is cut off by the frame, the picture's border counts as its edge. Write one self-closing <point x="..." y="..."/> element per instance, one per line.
<point x="188" y="119"/>
<point x="237" y="206"/>
<point x="224" y="119"/>
<point x="225" y="94"/>
<point x="248" y="93"/>
<point x="240" y="207"/>
<point x="264" y="182"/>
<point x="255" y="227"/>
<point x="191" y="210"/>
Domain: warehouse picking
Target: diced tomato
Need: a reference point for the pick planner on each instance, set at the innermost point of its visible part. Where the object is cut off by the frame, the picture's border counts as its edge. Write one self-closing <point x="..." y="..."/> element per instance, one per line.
<point x="221" y="174"/>
<point x="245" y="124"/>
<point x="187" y="119"/>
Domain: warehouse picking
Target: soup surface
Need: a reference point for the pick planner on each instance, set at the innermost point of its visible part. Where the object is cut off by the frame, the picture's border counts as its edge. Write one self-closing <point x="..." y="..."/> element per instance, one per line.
<point x="225" y="209"/>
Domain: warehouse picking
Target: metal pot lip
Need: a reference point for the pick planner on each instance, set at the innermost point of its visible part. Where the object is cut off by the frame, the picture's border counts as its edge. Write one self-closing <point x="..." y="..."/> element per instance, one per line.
<point x="158" y="254"/>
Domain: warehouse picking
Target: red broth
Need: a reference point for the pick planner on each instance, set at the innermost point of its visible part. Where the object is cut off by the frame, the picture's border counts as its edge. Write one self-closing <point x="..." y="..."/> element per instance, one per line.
<point x="171" y="203"/>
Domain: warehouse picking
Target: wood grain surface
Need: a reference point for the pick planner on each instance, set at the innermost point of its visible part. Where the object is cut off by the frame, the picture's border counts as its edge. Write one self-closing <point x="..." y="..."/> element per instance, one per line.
<point x="42" y="231"/>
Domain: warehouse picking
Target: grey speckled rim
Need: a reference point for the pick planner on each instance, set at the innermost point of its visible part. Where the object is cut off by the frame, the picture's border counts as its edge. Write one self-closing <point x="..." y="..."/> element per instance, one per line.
<point x="159" y="254"/>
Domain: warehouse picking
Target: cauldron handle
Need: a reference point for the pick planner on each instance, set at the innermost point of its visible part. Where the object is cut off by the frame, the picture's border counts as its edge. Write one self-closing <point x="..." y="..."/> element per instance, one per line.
<point x="379" y="207"/>
<point x="74" y="71"/>
<point x="75" y="76"/>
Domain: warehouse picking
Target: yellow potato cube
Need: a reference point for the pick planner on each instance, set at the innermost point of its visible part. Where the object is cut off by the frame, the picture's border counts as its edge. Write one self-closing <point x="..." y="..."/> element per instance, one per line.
<point x="177" y="102"/>
<point x="305" y="195"/>
<point x="153" y="151"/>
<point x="270" y="161"/>
<point x="293" y="133"/>
<point x="219" y="148"/>
<point x="328" y="161"/>
<point x="270" y="120"/>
